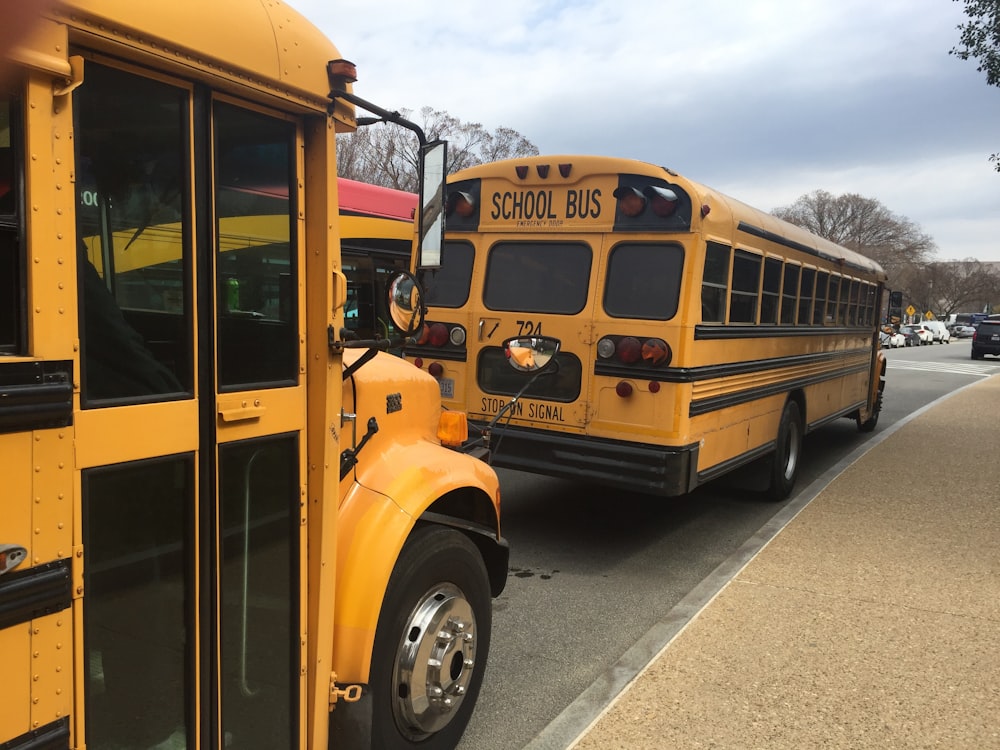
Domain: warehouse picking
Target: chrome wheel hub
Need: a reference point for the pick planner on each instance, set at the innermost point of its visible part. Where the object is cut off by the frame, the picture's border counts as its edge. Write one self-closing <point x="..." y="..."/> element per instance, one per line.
<point x="434" y="662"/>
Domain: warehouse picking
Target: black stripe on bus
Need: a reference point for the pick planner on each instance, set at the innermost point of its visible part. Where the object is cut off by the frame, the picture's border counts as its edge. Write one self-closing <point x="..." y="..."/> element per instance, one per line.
<point x="53" y="736"/>
<point x="717" y="403"/>
<point x="429" y="352"/>
<point x="36" y="395"/>
<point x="764" y="234"/>
<point x="35" y="592"/>
<point x="710" y="372"/>
<point x="717" y="332"/>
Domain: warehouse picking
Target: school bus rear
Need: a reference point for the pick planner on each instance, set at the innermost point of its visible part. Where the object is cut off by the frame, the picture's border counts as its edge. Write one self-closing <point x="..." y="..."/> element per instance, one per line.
<point x="554" y="253"/>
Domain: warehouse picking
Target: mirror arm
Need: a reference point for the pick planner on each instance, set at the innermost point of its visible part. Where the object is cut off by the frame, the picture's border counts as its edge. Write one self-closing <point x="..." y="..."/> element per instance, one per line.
<point x="384" y="114"/>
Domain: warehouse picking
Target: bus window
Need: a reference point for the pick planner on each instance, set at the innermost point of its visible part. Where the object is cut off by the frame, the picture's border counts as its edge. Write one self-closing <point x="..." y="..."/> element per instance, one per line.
<point x="644" y="281"/>
<point x="789" y="294"/>
<point x="11" y="282"/>
<point x="832" y="299"/>
<point x="715" y="282"/>
<point x="448" y="285"/>
<point x="819" y="306"/>
<point x="135" y="288"/>
<point x="138" y="561"/>
<point x="538" y="277"/>
<point x="770" y="291"/>
<point x="746" y="281"/>
<point x="806" y="293"/>
<point x="256" y="276"/>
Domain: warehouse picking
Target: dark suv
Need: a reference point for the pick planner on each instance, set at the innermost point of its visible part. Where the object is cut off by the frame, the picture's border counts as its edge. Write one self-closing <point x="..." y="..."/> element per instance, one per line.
<point x="986" y="339"/>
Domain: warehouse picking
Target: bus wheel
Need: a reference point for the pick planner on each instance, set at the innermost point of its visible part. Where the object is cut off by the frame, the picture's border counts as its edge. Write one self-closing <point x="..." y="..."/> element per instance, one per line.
<point x="869" y="424"/>
<point x="431" y="644"/>
<point x="787" y="447"/>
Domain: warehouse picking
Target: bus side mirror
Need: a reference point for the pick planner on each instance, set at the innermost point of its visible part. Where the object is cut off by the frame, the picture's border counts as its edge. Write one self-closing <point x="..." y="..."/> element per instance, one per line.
<point x="531" y="353"/>
<point x="430" y="229"/>
<point x="406" y="304"/>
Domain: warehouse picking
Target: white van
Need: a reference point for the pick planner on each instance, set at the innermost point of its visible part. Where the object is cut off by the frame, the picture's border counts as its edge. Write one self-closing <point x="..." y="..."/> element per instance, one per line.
<point x="941" y="334"/>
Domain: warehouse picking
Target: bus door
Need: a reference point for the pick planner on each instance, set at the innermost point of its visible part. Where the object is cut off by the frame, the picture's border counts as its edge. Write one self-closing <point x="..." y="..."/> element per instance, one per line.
<point x="535" y="285"/>
<point x="636" y="333"/>
<point x="190" y="434"/>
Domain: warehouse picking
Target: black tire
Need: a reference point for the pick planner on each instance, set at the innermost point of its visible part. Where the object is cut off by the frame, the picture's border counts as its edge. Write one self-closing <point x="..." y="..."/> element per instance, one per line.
<point x="787" y="451"/>
<point x="869" y="424"/>
<point x="437" y="608"/>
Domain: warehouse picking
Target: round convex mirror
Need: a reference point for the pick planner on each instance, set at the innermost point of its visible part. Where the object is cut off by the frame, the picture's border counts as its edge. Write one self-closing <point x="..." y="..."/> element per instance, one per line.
<point x="406" y="303"/>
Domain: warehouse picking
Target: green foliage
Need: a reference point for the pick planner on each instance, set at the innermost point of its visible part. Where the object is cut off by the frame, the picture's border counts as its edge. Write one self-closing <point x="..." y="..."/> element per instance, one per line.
<point x="980" y="40"/>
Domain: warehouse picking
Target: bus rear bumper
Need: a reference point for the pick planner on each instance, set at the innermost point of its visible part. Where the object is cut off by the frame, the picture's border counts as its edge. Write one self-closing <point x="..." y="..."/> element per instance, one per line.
<point x="641" y="467"/>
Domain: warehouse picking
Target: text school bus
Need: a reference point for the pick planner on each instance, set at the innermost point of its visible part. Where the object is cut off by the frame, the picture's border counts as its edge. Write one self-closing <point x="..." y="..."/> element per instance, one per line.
<point x="219" y="522"/>
<point x="697" y="333"/>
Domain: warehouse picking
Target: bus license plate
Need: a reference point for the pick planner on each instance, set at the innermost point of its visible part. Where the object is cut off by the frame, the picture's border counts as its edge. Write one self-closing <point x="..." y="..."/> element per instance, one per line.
<point x="447" y="387"/>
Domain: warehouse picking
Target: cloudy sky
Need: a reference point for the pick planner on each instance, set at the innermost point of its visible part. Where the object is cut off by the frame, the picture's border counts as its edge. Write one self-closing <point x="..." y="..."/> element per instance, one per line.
<point x="765" y="100"/>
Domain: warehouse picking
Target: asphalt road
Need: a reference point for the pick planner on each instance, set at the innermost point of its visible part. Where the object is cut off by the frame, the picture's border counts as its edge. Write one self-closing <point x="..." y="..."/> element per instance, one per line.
<point x="595" y="572"/>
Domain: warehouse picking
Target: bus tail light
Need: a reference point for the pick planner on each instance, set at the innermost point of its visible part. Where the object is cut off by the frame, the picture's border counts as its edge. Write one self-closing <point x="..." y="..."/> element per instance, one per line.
<point x="436" y="369"/>
<point x="624" y="388"/>
<point x="629" y="350"/>
<point x="440" y="334"/>
<point x="453" y="428"/>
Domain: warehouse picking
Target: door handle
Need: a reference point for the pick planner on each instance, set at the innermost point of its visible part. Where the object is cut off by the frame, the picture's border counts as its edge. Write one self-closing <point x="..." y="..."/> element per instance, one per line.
<point x="241" y="411"/>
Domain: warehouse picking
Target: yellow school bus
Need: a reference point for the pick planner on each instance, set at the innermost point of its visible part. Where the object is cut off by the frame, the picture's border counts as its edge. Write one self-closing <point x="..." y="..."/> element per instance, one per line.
<point x="377" y="231"/>
<point x="224" y="524"/>
<point x="698" y="333"/>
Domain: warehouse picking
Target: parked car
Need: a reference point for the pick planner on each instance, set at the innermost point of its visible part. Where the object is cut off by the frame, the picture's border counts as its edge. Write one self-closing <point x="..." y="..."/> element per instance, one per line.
<point x="891" y="339"/>
<point x="911" y="336"/>
<point x="938" y="330"/>
<point x="986" y="340"/>
<point x="962" y="332"/>
<point x="926" y="337"/>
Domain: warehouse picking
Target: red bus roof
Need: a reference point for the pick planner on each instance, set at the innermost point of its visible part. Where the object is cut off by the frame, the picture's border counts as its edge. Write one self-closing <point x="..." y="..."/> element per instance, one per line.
<point x="373" y="200"/>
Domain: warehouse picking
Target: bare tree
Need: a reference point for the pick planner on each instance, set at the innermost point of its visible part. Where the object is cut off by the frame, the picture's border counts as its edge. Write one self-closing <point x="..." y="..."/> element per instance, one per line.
<point x="386" y="154"/>
<point x="865" y="226"/>
<point x="954" y="286"/>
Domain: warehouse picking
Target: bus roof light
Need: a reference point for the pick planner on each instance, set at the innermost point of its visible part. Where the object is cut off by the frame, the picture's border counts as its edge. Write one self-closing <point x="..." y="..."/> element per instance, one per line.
<point x="543" y="170"/>
<point x="565" y="169"/>
<point x="461" y="203"/>
<point x="631" y="202"/>
<point x="662" y="200"/>
<point x="340" y="73"/>
<point x="521" y="171"/>
<point x="705" y="210"/>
